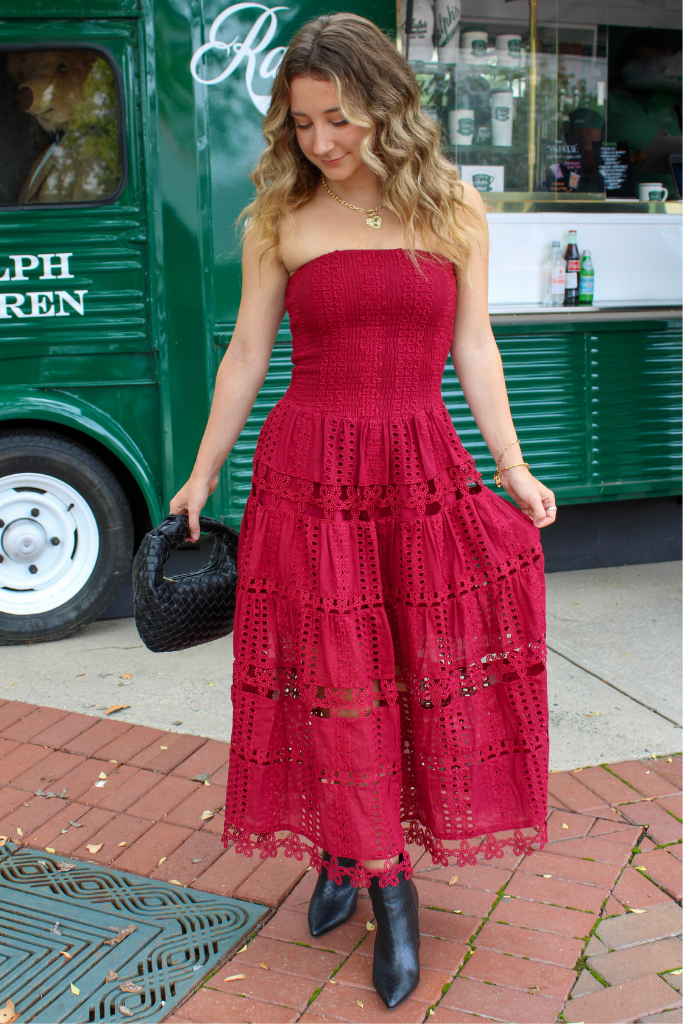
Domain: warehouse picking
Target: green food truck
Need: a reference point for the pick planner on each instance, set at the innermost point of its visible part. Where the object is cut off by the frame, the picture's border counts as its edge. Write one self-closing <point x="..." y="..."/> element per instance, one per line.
<point x="128" y="130"/>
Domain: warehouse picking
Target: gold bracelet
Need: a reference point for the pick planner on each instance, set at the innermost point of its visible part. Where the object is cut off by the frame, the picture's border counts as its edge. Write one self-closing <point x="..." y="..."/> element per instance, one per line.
<point x="496" y="475"/>
<point x="500" y="457"/>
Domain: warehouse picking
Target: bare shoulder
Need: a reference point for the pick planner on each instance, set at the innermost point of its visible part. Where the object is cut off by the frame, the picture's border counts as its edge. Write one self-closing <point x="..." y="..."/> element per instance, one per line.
<point x="474" y="208"/>
<point x="262" y="270"/>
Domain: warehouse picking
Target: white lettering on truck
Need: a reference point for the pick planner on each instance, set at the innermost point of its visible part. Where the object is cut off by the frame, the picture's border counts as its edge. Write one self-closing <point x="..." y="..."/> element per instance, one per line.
<point x="11" y="301"/>
<point x="29" y="262"/>
<point x="236" y="51"/>
<point x="40" y="304"/>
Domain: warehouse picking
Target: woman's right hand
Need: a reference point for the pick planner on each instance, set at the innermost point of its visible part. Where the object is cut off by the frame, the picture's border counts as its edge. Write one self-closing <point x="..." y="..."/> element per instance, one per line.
<point x="191" y="499"/>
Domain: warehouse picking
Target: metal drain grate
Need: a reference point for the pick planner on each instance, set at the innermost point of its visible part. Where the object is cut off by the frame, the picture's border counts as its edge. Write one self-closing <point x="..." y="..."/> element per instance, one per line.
<point x="180" y="935"/>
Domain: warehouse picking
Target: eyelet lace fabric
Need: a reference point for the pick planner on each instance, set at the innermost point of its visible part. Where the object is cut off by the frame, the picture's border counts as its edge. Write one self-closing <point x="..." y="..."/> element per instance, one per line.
<point x="389" y="680"/>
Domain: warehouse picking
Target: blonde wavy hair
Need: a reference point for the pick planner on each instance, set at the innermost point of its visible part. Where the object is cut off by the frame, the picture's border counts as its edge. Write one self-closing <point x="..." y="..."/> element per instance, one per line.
<point x="379" y="92"/>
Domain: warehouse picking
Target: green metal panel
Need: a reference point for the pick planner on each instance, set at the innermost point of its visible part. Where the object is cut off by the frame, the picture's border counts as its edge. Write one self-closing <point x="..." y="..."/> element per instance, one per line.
<point x="596" y="406"/>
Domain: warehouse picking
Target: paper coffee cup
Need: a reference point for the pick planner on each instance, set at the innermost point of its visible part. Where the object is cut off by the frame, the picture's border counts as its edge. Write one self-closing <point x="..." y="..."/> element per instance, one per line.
<point x="461" y="127"/>
<point x="502" y="114"/>
<point x="474" y="45"/>
<point x="652" y="192"/>
<point x="509" y="49"/>
<point x="447" y="29"/>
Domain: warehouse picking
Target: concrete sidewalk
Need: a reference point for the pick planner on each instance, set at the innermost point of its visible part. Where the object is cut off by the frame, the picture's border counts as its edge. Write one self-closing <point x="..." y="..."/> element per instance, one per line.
<point x="586" y="930"/>
<point x="614" y="670"/>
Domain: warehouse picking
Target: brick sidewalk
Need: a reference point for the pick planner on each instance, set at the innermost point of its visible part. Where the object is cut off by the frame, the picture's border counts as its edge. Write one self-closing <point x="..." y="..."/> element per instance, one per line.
<point x="594" y="916"/>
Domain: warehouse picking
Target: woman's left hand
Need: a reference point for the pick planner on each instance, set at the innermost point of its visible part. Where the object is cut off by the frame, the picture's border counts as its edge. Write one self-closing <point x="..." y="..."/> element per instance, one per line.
<point x="535" y="499"/>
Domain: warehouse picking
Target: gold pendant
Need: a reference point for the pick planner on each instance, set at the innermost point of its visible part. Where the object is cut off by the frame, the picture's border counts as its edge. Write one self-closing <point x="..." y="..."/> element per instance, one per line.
<point x="375" y="221"/>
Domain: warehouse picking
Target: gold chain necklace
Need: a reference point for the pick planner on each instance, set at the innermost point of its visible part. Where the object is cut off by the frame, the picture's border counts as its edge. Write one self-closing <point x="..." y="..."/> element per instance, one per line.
<point x="373" y="220"/>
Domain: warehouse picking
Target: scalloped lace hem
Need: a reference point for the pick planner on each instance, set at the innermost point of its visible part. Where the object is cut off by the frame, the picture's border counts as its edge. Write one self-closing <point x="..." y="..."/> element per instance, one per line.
<point x="268" y="844"/>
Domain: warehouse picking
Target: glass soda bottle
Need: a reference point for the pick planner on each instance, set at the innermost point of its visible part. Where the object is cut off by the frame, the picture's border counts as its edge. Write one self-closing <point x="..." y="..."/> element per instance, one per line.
<point x="555" y="277"/>
<point x="573" y="266"/>
<point x="586" y="279"/>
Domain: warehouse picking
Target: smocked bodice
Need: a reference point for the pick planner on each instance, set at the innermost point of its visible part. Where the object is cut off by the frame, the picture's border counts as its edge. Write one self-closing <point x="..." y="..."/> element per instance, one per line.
<point x="370" y="332"/>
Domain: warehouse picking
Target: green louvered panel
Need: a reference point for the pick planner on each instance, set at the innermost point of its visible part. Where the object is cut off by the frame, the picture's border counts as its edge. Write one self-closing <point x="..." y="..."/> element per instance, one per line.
<point x="545" y="371"/>
<point x="597" y="408"/>
<point x="636" y="406"/>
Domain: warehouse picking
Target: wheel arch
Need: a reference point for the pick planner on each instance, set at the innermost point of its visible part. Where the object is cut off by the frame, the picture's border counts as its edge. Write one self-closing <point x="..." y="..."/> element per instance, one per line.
<point x="79" y="421"/>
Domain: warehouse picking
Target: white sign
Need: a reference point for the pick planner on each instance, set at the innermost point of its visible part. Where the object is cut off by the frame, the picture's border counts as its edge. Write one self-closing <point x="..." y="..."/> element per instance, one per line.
<point x="236" y="51"/>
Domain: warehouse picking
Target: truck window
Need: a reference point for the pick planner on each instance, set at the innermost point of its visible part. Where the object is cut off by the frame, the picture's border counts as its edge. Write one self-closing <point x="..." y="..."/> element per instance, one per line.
<point x="60" y="138"/>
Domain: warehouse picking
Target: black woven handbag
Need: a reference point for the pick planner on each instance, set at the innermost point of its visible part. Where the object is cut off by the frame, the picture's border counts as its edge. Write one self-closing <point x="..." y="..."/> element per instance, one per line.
<point x="176" y="612"/>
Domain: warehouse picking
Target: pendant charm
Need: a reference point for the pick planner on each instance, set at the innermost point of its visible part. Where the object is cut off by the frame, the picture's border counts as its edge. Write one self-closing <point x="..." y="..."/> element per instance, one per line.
<point x="375" y="221"/>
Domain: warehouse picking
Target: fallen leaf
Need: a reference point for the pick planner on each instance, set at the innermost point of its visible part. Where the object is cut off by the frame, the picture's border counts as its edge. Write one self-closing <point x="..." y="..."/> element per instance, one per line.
<point x="48" y="849"/>
<point x="670" y="759"/>
<point x="130" y="986"/>
<point x="64" y="953"/>
<point x="242" y="949"/>
<point x="453" y="880"/>
<point x="575" y="602"/>
<point x="265" y="967"/>
<point x="20" y="832"/>
<point x="172" y="723"/>
<point x="8" y="1013"/>
<point x="204" y="777"/>
<point x="116" y="707"/>
<point x="431" y="1012"/>
<point x="196" y="860"/>
<point x="634" y="911"/>
<point x="122" y="844"/>
<point x="369" y="926"/>
<point x="332" y="981"/>
<point x="78" y="675"/>
<point x="210" y="684"/>
<point x="94" y="847"/>
<point x="3" y="840"/>
<point x="358" y="1003"/>
<point x="120" y="936"/>
<point x="163" y="748"/>
<point x="457" y="911"/>
<point x="111" y="976"/>
<point x="535" y="990"/>
<point x="126" y="675"/>
<point x="678" y="971"/>
<point x="641" y="867"/>
<point x="564" y="826"/>
<point x="102" y="775"/>
<point x="63" y="865"/>
<point x="205" y="815"/>
<point x="578" y="770"/>
<point x="161" y="862"/>
<point x="546" y="876"/>
<point x="235" y="977"/>
<point x="125" y="1011"/>
<point x="76" y="824"/>
<point x="76" y="991"/>
<point x="174" y="881"/>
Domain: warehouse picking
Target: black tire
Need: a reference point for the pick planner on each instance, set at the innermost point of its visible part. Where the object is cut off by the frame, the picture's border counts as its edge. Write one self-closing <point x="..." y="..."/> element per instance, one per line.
<point x="39" y="451"/>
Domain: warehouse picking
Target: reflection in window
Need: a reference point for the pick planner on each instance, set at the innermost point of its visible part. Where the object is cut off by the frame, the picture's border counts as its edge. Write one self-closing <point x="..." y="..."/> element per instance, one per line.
<point x="59" y="127"/>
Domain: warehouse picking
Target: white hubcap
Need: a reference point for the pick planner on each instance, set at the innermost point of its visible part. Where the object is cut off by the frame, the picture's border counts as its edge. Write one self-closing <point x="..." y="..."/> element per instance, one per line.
<point x="49" y="543"/>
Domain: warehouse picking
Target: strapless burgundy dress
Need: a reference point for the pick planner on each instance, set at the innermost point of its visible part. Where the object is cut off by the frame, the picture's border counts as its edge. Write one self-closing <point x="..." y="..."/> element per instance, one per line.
<point x="389" y="681"/>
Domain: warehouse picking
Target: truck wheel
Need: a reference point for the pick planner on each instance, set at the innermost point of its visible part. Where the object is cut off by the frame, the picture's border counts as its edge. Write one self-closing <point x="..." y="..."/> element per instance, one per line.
<point x="66" y="536"/>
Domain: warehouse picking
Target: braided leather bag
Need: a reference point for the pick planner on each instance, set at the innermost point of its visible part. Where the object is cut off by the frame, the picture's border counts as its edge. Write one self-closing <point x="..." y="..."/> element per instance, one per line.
<point x="176" y="612"/>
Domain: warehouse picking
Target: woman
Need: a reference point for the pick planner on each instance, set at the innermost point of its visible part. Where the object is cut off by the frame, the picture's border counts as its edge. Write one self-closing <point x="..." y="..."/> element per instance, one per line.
<point x="389" y="680"/>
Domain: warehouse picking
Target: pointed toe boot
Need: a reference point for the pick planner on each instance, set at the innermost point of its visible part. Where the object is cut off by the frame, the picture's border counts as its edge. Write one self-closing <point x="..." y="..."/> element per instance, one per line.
<point x="396" y="964"/>
<point x="331" y="904"/>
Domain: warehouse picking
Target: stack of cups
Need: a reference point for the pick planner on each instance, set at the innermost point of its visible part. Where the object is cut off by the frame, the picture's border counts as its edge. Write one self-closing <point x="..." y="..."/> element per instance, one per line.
<point x="461" y="126"/>
<point x="474" y="46"/>
<point x="509" y="49"/>
<point x="421" y="43"/>
<point x="502" y="113"/>
<point x="447" y="29"/>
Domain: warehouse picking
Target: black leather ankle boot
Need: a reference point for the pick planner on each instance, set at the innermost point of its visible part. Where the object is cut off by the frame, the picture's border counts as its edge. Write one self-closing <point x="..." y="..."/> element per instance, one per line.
<point x="396" y="965"/>
<point x="331" y="904"/>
